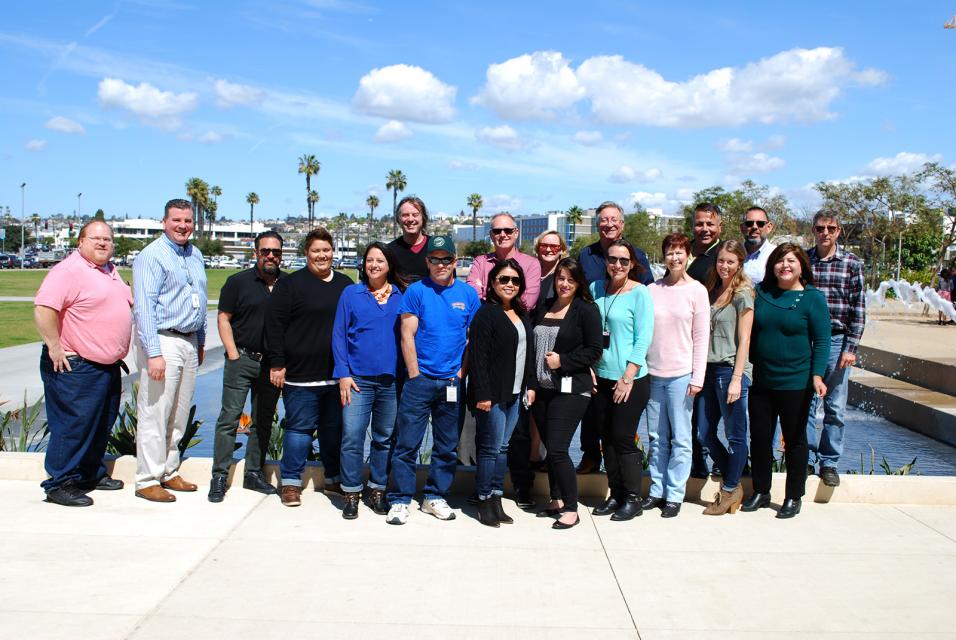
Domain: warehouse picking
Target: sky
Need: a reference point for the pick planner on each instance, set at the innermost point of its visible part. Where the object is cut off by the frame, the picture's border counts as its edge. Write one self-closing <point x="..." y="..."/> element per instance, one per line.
<point x="537" y="106"/>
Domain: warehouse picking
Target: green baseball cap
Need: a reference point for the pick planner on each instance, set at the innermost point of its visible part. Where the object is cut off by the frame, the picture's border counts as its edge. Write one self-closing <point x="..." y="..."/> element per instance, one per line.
<point x="440" y="243"/>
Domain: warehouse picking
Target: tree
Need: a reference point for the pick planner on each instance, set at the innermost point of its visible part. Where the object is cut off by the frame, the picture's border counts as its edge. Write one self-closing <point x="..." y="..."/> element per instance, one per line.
<point x="12" y="242"/>
<point x="198" y="192"/>
<point x="641" y="231"/>
<point x="211" y="208"/>
<point x="123" y="246"/>
<point x="733" y="205"/>
<point x="210" y="247"/>
<point x="310" y="166"/>
<point x="313" y="199"/>
<point x="942" y="186"/>
<point x="35" y="218"/>
<point x="99" y="215"/>
<point x="253" y="200"/>
<point x="575" y="215"/>
<point x="396" y="181"/>
<point x="372" y="202"/>
<point x="475" y="202"/>
<point x="476" y="248"/>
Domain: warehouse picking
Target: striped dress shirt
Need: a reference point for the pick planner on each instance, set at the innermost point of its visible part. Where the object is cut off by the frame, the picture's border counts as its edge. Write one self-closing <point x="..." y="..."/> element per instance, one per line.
<point x="169" y="292"/>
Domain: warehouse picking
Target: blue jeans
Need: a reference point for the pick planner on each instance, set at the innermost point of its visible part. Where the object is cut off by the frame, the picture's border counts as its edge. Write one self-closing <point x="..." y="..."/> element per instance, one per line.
<point x="493" y="430"/>
<point x="423" y="397"/>
<point x="81" y="407"/>
<point x="669" y="430"/>
<point x="308" y="409"/>
<point x="374" y="401"/>
<point x="830" y="446"/>
<point x="711" y="407"/>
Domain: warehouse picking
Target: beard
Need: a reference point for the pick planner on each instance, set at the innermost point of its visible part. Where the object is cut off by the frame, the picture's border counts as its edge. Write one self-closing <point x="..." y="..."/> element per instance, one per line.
<point x="753" y="243"/>
<point x="269" y="269"/>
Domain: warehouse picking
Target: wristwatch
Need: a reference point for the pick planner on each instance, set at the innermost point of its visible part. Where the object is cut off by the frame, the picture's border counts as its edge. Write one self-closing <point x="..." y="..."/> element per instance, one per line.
<point x="626" y="380"/>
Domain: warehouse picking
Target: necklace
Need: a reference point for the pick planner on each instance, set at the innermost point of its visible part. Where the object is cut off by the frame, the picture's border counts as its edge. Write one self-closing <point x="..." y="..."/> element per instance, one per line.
<point x="381" y="296"/>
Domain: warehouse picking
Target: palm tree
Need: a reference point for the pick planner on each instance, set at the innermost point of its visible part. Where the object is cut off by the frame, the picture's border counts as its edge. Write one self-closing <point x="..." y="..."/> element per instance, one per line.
<point x="575" y="215"/>
<point x="312" y="199"/>
<point x="475" y="202"/>
<point x="310" y="167"/>
<point x="372" y="202"/>
<point x="36" y="228"/>
<point x="396" y="181"/>
<point x="198" y="192"/>
<point x="253" y="200"/>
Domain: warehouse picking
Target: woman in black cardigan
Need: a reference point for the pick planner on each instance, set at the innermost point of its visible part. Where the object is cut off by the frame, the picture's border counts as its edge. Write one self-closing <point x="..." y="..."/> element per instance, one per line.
<point x="567" y="338"/>
<point x="501" y="365"/>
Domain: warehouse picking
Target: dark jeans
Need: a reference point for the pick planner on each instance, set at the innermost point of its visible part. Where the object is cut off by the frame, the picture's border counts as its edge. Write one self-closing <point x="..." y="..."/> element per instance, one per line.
<point x="308" y="409"/>
<point x="81" y="407"/>
<point x="792" y="408"/>
<point x="372" y="408"/>
<point x="617" y="424"/>
<point x="238" y="378"/>
<point x="711" y="405"/>
<point x="423" y="397"/>
<point x="557" y="416"/>
<point x="494" y="429"/>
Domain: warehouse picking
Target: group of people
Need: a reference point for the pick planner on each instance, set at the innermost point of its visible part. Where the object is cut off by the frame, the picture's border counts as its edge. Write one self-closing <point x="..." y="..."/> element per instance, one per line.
<point x="741" y="332"/>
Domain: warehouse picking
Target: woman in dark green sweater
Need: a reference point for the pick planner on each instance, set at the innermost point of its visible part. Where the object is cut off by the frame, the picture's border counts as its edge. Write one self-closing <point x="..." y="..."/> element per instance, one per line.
<point x="789" y="347"/>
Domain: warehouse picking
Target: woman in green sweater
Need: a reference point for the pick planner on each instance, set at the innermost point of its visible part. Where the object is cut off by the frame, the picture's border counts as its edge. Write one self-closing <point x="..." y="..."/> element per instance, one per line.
<point x="789" y="350"/>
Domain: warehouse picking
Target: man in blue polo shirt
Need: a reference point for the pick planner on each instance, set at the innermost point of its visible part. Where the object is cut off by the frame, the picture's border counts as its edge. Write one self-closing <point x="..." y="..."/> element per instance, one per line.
<point x="436" y="312"/>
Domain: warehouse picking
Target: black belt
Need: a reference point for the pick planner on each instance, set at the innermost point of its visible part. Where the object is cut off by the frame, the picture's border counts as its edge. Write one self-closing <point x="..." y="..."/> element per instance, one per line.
<point x="180" y="333"/>
<point x="837" y="332"/>
<point x="255" y="355"/>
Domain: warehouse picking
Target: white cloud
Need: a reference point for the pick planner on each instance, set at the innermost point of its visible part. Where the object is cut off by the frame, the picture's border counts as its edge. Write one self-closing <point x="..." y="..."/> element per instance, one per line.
<point x="459" y="165"/>
<point x="774" y="142"/>
<point x="903" y="162"/>
<point x="503" y="137"/>
<point x="735" y="145"/>
<point x="392" y="131"/>
<point x="64" y="125"/>
<point x="624" y="173"/>
<point x="35" y="145"/>
<point x="153" y="106"/>
<point x="649" y="199"/>
<point x="229" y="94"/>
<point x="501" y="202"/>
<point x="211" y="137"/>
<point x="756" y="163"/>
<point x="530" y="86"/>
<point x="588" y="138"/>
<point x="405" y="92"/>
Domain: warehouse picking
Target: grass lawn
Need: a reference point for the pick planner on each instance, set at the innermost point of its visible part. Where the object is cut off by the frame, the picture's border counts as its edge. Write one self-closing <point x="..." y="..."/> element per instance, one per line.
<point x="16" y="324"/>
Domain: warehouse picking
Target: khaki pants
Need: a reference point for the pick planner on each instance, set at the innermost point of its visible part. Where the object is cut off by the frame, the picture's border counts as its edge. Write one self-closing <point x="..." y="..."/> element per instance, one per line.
<point x="163" y="409"/>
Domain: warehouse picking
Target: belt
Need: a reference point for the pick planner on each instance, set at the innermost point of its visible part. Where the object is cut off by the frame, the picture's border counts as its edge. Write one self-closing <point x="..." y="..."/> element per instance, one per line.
<point x="180" y="333"/>
<point x="255" y="355"/>
<point x="837" y="332"/>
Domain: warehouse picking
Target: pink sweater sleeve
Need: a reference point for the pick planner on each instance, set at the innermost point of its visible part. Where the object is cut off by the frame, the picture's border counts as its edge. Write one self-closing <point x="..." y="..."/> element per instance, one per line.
<point x="700" y="333"/>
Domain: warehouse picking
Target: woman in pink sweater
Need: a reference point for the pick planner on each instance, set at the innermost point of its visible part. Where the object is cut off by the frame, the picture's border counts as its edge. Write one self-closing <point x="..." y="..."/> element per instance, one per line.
<point x="676" y="361"/>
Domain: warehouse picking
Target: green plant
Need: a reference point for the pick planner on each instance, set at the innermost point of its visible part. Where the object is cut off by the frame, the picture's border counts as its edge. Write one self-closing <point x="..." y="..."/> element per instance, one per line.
<point x="26" y="438"/>
<point x="189" y="439"/>
<point x="122" y="439"/>
<point x="275" y="438"/>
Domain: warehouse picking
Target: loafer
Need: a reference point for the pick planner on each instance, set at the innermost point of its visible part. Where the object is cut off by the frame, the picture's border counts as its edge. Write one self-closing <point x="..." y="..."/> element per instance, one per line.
<point x="217" y="488"/>
<point x="376" y="501"/>
<point x="291" y="496"/>
<point x="790" y="508"/>
<point x="68" y="495"/>
<point x="587" y="465"/>
<point x="610" y="505"/>
<point x="650" y="502"/>
<point x="254" y="481"/>
<point x="670" y="509"/>
<point x="155" y="493"/>
<point x="830" y="476"/>
<point x="176" y="483"/>
<point x="756" y="501"/>
<point x="107" y="483"/>
<point x="523" y="499"/>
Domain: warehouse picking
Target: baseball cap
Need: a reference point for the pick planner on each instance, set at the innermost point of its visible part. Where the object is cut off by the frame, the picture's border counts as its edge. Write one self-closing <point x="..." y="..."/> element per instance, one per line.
<point x="440" y="243"/>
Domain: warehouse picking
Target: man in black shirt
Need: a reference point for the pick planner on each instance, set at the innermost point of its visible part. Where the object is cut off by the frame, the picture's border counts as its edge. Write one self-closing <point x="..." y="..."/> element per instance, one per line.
<point x="241" y="319"/>
<point x="409" y="248"/>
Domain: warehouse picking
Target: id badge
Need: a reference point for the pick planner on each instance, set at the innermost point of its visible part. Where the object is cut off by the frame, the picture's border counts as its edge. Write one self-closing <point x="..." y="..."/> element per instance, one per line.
<point x="451" y="393"/>
<point x="566" y="384"/>
<point x="607" y="339"/>
<point x="195" y="301"/>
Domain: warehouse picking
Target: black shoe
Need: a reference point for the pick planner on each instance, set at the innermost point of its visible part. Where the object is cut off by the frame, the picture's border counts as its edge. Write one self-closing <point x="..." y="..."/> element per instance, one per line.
<point x="107" y="483"/>
<point x="651" y="502"/>
<point x="549" y="513"/>
<point x="486" y="513"/>
<point x="700" y="472"/>
<point x="68" y="495"/>
<point x="254" y="481"/>
<point x="376" y="501"/>
<point x="610" y="505"/>
<point x="474" y="499"/>
<point x="560" y="525"/>
<point x="811" y="470"/>
<point x="217" y="488"/>
<point x="790" y="508"/>
<point x="630" y="508"/>
<point x="587" y="465"/>
<point x="350" y="510"/>
<point x="503" y="517"/>
<point x="716" y="472"/>
<point x="670" y="509"/>
<point x="756" y="501"/>
<point x="830" y="476"/>
<point x="523" y="499"/>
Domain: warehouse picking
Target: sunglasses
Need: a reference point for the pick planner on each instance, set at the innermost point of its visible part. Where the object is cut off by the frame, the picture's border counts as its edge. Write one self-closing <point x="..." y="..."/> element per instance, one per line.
<point x="443" y="261"/>
<point x="270" y="252"/>
<point x="820" y="228"/>
<point x="515" y="280"/>
<point x="503" y="230"/>
<point x="758" y="223"/>
<point x="550" y="248"/>
<point x="615" y="260"/>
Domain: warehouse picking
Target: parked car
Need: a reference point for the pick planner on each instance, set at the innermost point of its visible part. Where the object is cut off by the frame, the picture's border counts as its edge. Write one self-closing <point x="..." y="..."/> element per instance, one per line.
<point x="30" y="262"/>
<point x="8" y="261"/>
<point x="464" y="266"/>
<point x="349" y="263"/>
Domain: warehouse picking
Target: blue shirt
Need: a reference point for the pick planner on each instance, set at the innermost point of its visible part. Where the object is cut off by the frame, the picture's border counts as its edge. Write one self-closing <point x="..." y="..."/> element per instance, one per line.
<point x="169" y="292"/>
<point x="444" y="314"/>
<point x="365" y="336"/>
<point x="594" y="262"/>
<point x="629" y="317"/>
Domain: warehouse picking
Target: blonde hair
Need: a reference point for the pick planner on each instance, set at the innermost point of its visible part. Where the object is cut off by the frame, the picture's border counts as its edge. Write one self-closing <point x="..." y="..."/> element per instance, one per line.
<point x="740" y="283"/>
<point x="549" y="232"/>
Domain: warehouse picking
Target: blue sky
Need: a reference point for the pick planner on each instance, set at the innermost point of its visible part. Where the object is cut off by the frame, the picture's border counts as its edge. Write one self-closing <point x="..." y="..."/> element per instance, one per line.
<point x="536" y="106"/>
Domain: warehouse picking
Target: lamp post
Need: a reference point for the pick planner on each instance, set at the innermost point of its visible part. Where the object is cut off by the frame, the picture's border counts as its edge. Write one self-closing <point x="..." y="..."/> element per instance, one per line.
<point x="79" y="212"/>
<point x="23" y="208"/>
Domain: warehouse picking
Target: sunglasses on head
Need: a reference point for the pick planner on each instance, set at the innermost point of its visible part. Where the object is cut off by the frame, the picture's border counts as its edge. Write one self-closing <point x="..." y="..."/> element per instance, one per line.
<point x="615" y="260"/>
<point x="270" y="252"/>
<point x="759" y="223"/>
<point x="503" y="230"/>
<point x="515" y="280"/>
<point x="445" y="261"/>
<point x="820" y="228"/>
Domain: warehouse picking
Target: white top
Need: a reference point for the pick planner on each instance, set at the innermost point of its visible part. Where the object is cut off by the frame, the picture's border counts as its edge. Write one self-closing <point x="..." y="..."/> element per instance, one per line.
<point x="520" y="355"/>
<point x="756" y="263"/>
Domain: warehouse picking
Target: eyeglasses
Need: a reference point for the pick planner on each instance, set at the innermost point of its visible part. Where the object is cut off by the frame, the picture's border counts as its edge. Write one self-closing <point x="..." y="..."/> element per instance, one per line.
<point x="549" y="248"/>
<point x="99" y="239"/>
<point x="443" y="261"/>
<point x="270" y="252"/>
<point x="503" y="230"/>
<point x="759" y="223"/>
<point x="820" y="228"/>
<point x="515" y="280"/>
<point x="615" y="260"/>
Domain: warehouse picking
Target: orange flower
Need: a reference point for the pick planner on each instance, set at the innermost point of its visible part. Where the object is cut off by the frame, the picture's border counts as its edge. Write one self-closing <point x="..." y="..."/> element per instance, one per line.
<point x="244" y="421"/>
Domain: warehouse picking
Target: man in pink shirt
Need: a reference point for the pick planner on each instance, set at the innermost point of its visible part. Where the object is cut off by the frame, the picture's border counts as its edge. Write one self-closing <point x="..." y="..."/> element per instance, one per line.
<point x="82" y="312"/>
<point x="504" y="238"/>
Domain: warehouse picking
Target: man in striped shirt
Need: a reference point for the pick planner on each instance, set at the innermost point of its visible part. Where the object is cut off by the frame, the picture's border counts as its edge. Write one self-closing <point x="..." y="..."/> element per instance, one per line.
<point x="839" y="275"/>
<point x="169" y="293"/>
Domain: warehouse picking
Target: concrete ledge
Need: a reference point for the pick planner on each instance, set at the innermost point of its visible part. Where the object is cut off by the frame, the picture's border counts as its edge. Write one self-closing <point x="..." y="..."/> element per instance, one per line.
<point x="938" y="374"/>
<point x="866" y="489"/>
<point x="928" y="412"/>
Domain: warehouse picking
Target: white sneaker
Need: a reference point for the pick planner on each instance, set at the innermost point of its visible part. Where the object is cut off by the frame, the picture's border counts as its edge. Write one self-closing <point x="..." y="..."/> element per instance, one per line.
<point x="397" y="514"/>
<point x="438" y="508"/>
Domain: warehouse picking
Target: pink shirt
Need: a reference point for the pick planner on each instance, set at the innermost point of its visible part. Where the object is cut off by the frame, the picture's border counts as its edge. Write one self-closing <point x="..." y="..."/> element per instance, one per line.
<point x="482" y="266"/>
<point x="94" y="308"/>
<point x="681" y="331"/>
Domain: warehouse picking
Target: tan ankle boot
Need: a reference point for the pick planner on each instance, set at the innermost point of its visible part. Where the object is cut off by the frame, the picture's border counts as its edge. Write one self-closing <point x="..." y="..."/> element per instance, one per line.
<point x="725" y="501"/>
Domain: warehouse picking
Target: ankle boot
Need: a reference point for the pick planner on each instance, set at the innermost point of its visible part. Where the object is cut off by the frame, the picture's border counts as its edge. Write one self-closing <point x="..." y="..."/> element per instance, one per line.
<point x="630" y="509"/>
<point x="632" y="473"/>
<point x="486" y="513"/>
<point x="756" y="501"/>
<point x="500" y="514"/>
<point x="612" y="504"/>
<point x="725" y="502"/>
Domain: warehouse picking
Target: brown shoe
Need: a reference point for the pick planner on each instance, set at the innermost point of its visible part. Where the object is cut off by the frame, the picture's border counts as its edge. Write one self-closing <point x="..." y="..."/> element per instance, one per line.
<point x="587" y="465"/>
<point x="291" y="496"/>
<point x="725" y="501"/>
<point x="176" y="483"/>
<point x="334" y="488"/>
<point x="155" y="493"/>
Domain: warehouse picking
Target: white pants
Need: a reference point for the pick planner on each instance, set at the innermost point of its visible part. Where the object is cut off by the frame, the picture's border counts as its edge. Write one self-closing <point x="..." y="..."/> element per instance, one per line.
<point x="163" y="409"/>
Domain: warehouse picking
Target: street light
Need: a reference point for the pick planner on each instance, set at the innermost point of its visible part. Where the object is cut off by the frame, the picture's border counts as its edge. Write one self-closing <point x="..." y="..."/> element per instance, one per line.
<point x="23" y="189"/>
<point x="79" y="213"/>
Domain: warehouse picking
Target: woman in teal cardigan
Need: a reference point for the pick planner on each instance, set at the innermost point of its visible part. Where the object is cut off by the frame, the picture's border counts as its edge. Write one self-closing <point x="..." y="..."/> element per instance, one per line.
<point x="789" y="346"/>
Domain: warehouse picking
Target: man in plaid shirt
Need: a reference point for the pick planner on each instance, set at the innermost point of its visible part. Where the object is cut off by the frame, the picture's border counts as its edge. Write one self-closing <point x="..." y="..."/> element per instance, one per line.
<point x="839" y="275"/>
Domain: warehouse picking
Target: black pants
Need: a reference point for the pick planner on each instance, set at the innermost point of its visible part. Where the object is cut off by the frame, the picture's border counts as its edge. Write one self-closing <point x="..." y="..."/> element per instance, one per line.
<point x="792" y="408"/>
<point x="519" y="453"/>
<point x="557" y="416"/>
<point x="590" y="441"/>
<point x="617" y="425"/>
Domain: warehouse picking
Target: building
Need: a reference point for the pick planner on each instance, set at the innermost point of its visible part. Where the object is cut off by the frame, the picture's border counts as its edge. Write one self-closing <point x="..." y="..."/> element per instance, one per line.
<point x="236" y="237"/>
<point x="666" y="222"/>
<point x="534" y="225"/>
